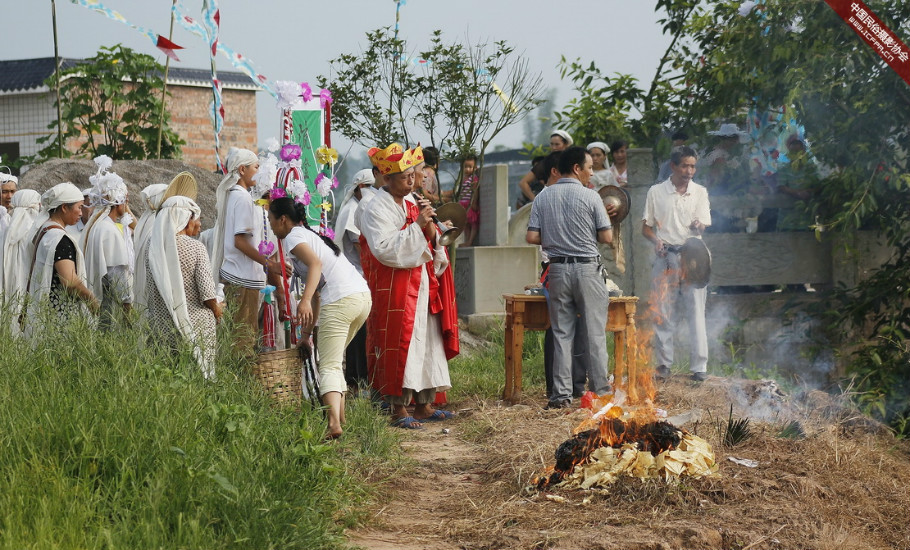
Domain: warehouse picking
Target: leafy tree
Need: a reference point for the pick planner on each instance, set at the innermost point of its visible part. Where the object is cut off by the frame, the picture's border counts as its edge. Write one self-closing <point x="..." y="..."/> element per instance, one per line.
<point x="618" y="107"/>
<point x="802" y="57"/>
<point x="111" y="105"/>
<point x="728" y="58"/>
<point x="452" y="96"/>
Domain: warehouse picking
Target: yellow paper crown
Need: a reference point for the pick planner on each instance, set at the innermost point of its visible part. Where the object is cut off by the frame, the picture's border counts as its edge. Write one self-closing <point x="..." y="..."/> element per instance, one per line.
<point x="394" y="159"/>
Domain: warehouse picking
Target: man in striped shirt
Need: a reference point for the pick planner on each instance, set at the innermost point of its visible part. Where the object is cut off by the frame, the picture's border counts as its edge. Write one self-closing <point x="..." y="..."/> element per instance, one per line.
<point x="568" y="220"/>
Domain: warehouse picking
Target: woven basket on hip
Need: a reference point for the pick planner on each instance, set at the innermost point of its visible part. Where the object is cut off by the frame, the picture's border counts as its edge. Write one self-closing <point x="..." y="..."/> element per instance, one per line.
<point x="280" y="374"/>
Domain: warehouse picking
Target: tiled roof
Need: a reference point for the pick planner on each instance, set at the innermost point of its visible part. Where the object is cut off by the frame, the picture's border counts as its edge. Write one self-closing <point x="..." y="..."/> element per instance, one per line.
<point x="22" y="75"/>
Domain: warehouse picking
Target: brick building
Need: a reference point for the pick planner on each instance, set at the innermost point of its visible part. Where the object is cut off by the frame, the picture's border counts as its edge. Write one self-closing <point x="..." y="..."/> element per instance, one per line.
<point x="27" y="108"/>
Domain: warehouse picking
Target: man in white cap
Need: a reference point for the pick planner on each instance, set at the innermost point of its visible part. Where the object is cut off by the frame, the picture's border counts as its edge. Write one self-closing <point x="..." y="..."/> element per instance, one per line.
<point x="107" y="256"/>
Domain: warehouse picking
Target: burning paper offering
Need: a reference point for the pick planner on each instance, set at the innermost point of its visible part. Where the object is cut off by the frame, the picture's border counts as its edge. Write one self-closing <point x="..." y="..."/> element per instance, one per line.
<point x="618" y="444"/>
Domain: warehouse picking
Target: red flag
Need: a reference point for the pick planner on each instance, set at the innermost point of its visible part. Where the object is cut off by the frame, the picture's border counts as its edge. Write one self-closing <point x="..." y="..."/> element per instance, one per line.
<point x="875" y="33"/>
<point x="168" y="47"/>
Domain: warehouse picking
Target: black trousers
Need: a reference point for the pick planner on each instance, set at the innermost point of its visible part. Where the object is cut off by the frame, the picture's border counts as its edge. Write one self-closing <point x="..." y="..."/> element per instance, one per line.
<point x="355" y="360"/>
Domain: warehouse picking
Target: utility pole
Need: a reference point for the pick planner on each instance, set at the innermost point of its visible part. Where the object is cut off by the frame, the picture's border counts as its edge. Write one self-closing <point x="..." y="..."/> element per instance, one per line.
<point x="57" y="74"/>
<point x="167" y="66"/>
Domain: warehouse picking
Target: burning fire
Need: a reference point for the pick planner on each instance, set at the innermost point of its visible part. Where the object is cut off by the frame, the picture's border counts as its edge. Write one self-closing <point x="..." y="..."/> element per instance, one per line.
<point x="615" y="442"/>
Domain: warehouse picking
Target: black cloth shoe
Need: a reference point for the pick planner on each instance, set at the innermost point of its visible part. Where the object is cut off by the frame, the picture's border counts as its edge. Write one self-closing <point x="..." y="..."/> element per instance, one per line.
<point x="699" y="376"/>
<point x="558" y="404"/>
<point x="663" y="372"/>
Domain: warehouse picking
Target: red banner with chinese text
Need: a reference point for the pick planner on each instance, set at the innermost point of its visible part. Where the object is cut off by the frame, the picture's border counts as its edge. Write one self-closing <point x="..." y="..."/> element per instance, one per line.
<point x="870" y="28"/>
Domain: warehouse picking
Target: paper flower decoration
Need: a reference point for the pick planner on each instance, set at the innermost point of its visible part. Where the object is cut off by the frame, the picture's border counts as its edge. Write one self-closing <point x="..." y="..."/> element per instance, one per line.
<point x="278" y="193"/>
<point x="325" y="98"/>
<point x="290" y="151"/>
<point x="334" y="182"/>
<point x="306" y="91"/>
<point x="303" y="199"/>
<point x="330" y="233"/>
<point x="266" y="248"/>
<point x="272" y="144"/>
<point x="323" y="185"/>
<point x="103" y="162"/>
<point x="288" y="94"/>
<point x="326" y="155"/>
<point x="296" y="188"/>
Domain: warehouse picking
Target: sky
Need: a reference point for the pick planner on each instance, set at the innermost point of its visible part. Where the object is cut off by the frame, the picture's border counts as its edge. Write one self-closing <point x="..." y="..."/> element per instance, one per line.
<point x="296" y="39"/>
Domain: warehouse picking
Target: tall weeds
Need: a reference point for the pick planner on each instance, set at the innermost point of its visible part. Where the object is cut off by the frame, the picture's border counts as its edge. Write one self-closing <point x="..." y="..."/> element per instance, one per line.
<point x="107" y="441"/>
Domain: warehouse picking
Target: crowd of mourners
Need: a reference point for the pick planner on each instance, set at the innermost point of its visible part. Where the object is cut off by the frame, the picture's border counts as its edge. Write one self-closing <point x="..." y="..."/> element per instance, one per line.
<point x="376" y="298"/>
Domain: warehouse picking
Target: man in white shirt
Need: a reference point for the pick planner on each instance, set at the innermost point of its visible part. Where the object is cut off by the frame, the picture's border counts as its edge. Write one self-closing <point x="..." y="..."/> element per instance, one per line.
<point x="676" y="210"/>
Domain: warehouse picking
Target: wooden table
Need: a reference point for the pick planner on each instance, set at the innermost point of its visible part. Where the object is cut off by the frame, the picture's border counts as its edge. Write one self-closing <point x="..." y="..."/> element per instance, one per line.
<point x="524" y="312"/>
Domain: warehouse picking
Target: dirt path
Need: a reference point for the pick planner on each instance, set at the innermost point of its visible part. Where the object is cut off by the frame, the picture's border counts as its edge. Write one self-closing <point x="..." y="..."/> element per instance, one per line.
<point x="845" y="485"/>
<point x="448" y="469"/>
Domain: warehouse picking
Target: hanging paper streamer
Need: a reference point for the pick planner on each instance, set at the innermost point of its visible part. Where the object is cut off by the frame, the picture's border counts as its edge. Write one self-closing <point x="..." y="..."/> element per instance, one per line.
<point x="238" y="61"/>
<point x="211" y="17"/>
<point x="162" y="43"/>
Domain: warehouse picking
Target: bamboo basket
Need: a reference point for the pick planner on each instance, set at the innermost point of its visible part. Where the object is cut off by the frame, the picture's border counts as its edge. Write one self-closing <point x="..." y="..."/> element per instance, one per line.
<point x="280" y="373"/>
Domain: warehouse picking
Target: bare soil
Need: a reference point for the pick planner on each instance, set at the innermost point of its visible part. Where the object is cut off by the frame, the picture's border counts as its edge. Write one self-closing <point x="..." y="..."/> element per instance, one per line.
<point x="846" y="484"/>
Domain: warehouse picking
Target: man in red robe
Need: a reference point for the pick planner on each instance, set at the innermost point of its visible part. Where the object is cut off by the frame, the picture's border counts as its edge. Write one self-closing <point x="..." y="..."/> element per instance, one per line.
<point x="412" y="331"/>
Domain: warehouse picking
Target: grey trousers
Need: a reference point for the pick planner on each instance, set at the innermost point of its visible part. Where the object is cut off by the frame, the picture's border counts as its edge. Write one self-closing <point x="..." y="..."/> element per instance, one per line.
<point x="578" y="301"/>
<point x="665" y="282"/>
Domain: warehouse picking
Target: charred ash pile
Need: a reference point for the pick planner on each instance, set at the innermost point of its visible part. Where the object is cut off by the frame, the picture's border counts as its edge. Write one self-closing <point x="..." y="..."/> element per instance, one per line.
<point x="596" y="457"/>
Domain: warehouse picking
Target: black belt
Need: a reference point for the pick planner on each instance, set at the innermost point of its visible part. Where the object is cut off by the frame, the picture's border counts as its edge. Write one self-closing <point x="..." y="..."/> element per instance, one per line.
<point x="676" y="249"/>
<point x="573" y="260"/>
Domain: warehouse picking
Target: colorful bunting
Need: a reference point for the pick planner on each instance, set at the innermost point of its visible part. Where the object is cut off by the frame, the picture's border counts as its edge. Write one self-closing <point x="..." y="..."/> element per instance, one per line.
<point x="163" y="44"/>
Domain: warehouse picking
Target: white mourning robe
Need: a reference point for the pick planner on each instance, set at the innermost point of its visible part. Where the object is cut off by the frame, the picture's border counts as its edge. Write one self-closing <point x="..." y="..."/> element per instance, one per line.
<point x="380" y="221"/>
<point x="108" y="264"/>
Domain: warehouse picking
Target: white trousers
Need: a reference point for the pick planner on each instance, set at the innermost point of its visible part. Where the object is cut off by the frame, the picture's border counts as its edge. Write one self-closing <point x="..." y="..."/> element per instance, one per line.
<point x="668" y="293"/>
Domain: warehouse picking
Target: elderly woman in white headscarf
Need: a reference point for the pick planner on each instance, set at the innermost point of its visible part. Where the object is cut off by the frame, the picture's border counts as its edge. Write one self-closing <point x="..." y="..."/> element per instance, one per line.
<point x="151" y="197"/>
<point x="603" y="176"/>
<point x="180" y="287"/>
<point x="104" y="241"/>
<point x="58" y="274"/>
<point x="15" y="242"/>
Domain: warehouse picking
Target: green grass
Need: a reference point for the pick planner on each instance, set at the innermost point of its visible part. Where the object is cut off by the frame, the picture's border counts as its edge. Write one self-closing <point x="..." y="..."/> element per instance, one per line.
<point x="480" y="374"/>
<point x="109" y="443"/>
